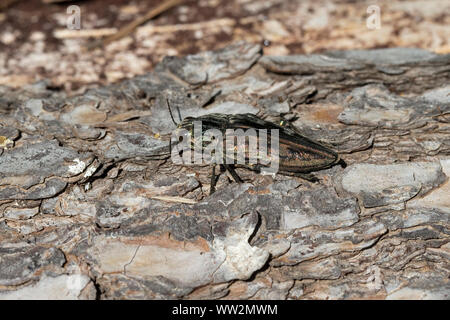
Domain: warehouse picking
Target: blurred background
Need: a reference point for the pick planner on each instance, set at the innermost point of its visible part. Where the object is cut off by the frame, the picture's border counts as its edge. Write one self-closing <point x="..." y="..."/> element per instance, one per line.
<point x="40" y="39"/>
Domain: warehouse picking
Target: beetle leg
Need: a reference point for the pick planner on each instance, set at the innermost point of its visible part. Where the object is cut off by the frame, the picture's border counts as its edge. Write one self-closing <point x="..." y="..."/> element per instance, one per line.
<point x="342" y="163"/>
<point x="212" y="189"/>
<point x="307" y="176"/>
<point x="233" y="173"/>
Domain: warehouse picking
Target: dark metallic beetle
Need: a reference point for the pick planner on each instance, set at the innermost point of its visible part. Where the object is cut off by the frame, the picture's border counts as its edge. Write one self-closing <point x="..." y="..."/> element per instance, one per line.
<point x="298" y="155"/>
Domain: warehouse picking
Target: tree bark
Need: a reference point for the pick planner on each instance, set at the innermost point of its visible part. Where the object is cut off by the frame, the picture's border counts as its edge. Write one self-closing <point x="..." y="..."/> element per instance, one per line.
<point x="92" y="206"/>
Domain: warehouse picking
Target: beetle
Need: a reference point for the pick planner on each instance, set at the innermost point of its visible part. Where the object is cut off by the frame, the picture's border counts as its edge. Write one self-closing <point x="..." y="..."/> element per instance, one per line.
<point x="297" y="154"/>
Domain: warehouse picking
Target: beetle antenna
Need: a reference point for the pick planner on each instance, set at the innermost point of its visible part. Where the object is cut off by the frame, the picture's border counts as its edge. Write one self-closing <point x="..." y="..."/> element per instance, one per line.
<point x="170" y="111"/>
<point x="170" y="146"/>
<point x="179" y="114"/>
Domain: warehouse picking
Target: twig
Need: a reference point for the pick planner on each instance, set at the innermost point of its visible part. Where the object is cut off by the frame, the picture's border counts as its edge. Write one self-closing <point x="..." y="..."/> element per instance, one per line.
<point x="84" y="33"/>
<point x="126" y="30"/>
<point x="215" y="24"/>
<point x="174" y="199"/>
